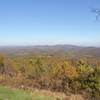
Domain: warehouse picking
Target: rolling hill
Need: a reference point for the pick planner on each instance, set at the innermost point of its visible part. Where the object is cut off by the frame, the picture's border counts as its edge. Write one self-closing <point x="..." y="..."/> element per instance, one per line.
<point x="49" y="50"/>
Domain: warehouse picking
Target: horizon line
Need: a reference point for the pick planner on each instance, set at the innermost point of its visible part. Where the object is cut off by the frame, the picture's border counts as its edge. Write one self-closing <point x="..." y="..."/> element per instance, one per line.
<point x="73" y="44"/>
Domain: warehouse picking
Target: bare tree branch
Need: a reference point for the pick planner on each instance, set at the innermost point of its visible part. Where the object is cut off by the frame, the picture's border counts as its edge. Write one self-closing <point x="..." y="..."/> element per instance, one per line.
<point x="97" y="11"/>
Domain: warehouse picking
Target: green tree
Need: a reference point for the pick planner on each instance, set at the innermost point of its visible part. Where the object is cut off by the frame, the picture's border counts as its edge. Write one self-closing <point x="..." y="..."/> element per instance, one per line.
<point x="2" y="69"/>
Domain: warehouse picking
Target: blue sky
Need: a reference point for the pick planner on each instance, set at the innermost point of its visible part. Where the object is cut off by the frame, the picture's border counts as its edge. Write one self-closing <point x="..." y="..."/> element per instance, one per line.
<point x="33" y="22"/>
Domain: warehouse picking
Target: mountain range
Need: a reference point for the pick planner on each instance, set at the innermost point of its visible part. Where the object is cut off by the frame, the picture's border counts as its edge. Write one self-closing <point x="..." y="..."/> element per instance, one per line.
<point x="50" y="49"/>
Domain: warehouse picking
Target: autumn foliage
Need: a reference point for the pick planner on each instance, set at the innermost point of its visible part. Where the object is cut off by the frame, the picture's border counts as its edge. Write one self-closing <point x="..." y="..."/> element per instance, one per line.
<point x="55" y="74"/>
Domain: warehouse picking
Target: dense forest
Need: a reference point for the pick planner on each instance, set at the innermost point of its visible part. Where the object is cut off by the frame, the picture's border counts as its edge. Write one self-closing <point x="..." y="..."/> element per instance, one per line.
<point x="62" y="68"/>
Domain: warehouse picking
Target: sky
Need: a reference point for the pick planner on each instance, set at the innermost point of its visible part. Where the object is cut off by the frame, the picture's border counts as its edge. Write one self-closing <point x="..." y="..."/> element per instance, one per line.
<point x="48" y="22"/>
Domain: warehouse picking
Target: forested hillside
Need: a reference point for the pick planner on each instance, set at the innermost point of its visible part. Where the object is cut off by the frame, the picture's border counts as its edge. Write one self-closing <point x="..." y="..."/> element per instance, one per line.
<point x="50" y="50"/>
<point x="67" y="69"/>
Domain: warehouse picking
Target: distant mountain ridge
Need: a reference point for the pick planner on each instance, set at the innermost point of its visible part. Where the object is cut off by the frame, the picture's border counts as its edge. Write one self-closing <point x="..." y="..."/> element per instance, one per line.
<point x="39" y="49"/>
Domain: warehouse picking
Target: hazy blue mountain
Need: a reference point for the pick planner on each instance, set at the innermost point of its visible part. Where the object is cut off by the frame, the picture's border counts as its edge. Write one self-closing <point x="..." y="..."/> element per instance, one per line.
<point x="50" y="49"/>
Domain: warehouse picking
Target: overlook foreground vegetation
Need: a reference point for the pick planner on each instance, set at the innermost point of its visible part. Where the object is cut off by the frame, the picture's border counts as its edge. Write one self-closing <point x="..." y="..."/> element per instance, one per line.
<point x="54" y="69"/>
<point x="14" y="94"/>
